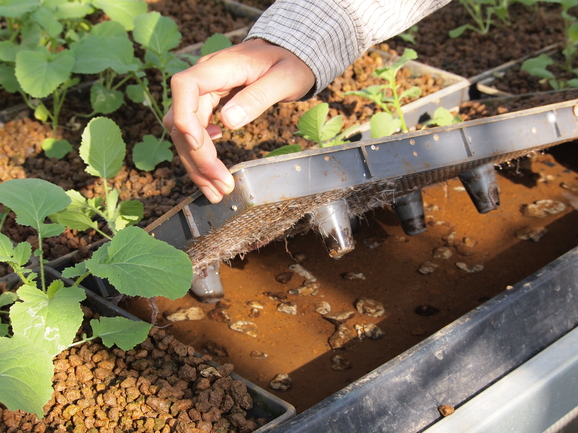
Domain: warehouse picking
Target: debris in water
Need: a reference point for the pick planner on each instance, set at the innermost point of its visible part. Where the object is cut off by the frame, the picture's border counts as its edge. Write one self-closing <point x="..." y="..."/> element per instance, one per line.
<point x="298" y="269"/>
<point x="322" y="307"/>
<point x="569" y="186"/>
<point x="186" y="313"/>
<point x="281" y="382"/>
<point x="353" y="276"/>
<point x="530" y="233"/>
<point x="369" y="330"/>
<point x="339" y="363"/>
<point x="426" y="310"/>
<point x="308" y="288"/>
<point x="255" y="354"/>
<point x="215" y="349"/>
<point x="341" y="338"/>
<point x="442" y="253"/>
<point x="219" y="315"/>
<point x="543" y="208"/>
<point x="300" y="257"/>
<point x="244" y="327"/>
<point x="277" y="296"/>
<point x="470" y="269"/>
<point x="284" y="277"/>
<point x="287" y="307"/>
<point x="339" y="317"/>
<point x="370" y="307"/>
<point x="427" y="268"/>
<point x="373" y="243"/>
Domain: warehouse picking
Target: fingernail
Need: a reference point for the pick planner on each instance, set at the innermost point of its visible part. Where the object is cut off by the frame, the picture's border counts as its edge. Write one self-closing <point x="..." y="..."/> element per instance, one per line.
<point x="235" y="115"/>
<point x="212" y="195"/>
<point x="225" y="187"/>
<point x="216" y="136"/>
<point x="193" y="142"/>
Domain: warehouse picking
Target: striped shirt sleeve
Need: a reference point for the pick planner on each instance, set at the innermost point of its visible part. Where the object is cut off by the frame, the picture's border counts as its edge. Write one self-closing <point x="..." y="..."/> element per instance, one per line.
<point x="329" y="35"/>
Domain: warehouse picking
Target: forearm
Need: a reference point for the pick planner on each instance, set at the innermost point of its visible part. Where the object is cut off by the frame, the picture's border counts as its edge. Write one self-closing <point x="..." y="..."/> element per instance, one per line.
<point x="329" y="35"/>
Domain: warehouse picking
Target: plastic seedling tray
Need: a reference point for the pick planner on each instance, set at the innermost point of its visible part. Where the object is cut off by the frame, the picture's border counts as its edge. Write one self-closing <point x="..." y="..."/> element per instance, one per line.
<point x="484" y="81"/>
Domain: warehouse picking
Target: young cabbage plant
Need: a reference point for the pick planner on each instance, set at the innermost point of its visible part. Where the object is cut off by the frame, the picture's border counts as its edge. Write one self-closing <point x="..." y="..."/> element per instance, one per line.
<point x="379" y="93"/>
<point x="538" y="67"/>
<point x="314" y="126"/>
<point x="159" y="36"/>
<point x="484" y="14"/>
<point x="36" y="56"/>
<point x="45" y="316"/>
<point x="384" y="124"/>
<point x="570" y="32"/>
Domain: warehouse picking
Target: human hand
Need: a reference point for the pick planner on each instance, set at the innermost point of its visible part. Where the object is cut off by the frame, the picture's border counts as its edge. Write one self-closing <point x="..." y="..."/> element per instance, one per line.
<point x="258" y="73"/>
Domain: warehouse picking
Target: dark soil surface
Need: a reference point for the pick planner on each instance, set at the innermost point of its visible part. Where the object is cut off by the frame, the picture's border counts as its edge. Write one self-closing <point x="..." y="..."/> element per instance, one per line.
<point x="299" y="345"/>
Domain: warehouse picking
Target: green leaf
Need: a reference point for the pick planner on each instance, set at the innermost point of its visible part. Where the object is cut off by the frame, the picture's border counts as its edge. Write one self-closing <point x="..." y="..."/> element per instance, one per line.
<point x="75" y="271"/>
<point x="49" y="323"/>
<point x="156" y="33"/>
<point x="139" y="265"/>
<point x="17" y="8"/>
<point x="120" y="331"/>
<point x="47" y="21"/>
<point x="331" y="128"/>
<point x="214" y="43"/>
<point x="150" y="152"/>
<point x="123" y="11"/>
<point x="54" y="148"/>
<point x="537" y="66"/>
<point x="373" y="93"/>
<point x="31" y="36"/>
<point x="96" y="53"/>
<point x="33" y="200"/>
<point x="54" y="288"/>
<point x="4" y="332"/>
<point x="102" y="148"/>
<point x="311" y="122"/>
<point x="129" y="214"/>
<point x="41" y="113"/>
<point x="105" y="100"/>
<point x="285" y="150"/>
<point x="136" y="93"/>
<point x="41" y="72"/>
<point x="25" y="375"/>
<point x="443" y="117"/>
<point x="72" y="10"/>
<point x="7" y="298"/>
<point x="8" y="79"/>
<point x="8" y="50"/>
<point x="457" y="32"/>
<point x="572" y="32"/>
<point x="175" y="65"/>
<point x="572" y="83"/>
<point x="383" y="125"/>
<point x="412" y="92"/>
<point x="77" y="215"/>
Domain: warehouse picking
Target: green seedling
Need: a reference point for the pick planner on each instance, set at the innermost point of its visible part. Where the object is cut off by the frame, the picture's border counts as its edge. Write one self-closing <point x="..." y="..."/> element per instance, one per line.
<point x="314" y="126"/>
<point x="409" y="34"/>
<point x="485" y="13"/>
<point x="538" y="67"/>
<point x="45" y="316"/>
<point x="384" y="124"/>
<point x="285" y="150"/>
<point x="387" y="95"/>
<point x="36" y="55"/>
<point x="570" y="32"/>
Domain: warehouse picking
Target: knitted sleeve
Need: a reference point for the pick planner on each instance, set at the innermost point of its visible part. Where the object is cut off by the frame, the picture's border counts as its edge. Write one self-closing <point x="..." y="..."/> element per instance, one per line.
<point x="329" y="35"/>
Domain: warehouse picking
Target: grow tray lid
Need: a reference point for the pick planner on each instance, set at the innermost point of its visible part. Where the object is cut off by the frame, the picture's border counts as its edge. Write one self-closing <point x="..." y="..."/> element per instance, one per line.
<point x="273" y="195"/>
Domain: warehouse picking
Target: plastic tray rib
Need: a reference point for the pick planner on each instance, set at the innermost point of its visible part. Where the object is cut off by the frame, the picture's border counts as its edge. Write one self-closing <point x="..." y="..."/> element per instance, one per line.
<point x="273" y="195"/>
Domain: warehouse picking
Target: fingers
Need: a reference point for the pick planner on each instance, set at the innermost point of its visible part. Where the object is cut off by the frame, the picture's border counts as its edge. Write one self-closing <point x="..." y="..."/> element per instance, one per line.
<point x="204" y="168"/>
<point x="254" y="75"/>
